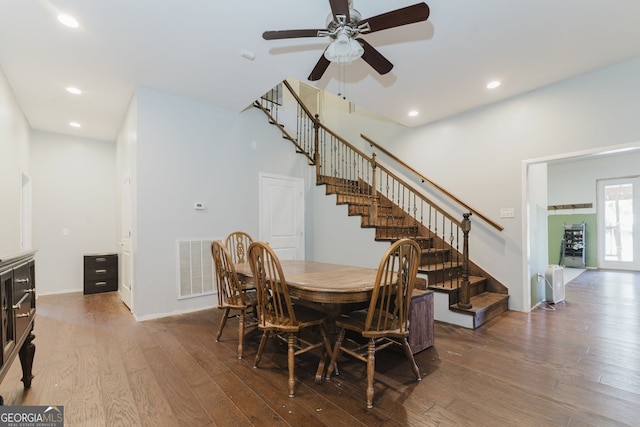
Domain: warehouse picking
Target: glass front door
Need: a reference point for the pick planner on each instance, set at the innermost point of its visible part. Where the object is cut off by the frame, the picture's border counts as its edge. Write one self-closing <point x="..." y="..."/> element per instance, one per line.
<point x="618" y="204"/>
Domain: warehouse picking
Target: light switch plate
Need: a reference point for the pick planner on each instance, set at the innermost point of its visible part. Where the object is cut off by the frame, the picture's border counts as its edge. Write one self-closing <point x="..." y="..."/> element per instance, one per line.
<point x="507" y="213"/>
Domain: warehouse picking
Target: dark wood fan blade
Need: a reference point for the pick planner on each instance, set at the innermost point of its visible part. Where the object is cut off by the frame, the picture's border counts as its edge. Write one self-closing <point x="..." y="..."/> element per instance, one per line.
<point x="319" y="69"/>
<point x="291" y="34"/>
<point x="406" y="15"/>
<point x="339" y="7"/>
<point x="374" y="58"/>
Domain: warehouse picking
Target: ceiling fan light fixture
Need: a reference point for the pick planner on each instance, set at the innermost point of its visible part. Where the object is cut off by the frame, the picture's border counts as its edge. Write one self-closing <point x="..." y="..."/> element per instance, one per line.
<point x="343" y="49"/>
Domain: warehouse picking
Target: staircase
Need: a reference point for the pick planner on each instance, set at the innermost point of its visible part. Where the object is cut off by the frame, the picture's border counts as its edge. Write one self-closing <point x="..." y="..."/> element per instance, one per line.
<point x="464" y="294"/>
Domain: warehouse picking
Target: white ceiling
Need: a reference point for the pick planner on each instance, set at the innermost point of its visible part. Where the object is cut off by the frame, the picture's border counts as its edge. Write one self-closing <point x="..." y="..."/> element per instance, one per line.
<point x="192" y="48"/>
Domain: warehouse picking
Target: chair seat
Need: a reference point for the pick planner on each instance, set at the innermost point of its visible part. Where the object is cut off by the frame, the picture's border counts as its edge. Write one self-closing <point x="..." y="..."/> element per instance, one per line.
<point x="249" y="300"/>
<point x="305" y="316"/>
<point x="355" y="321"/>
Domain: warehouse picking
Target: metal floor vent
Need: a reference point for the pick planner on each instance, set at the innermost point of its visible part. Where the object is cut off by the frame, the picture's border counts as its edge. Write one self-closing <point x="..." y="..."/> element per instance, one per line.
<point x="195" y="268"/>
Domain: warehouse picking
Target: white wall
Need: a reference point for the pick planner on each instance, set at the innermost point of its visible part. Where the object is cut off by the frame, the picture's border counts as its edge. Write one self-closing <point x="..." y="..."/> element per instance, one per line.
<point x="535" y="233"/>
<point x="14" y="161"/>
<point x="73" y="191"/>
<point x="478" y="155"/>
<point x="190" y="152"/>
<point x="574" y="180"/>
<point x="338" y="238"/>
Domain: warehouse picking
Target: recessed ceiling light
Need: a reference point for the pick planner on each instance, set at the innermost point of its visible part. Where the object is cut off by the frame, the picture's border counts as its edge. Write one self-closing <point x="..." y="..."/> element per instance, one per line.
<point x="68" y="20"/>
<point x="492" y="85"/>
<point x="75" y="124"/>
<point x="247" y="54"/>
<point x="413" y="113"/>
<point x="74" y="90"/>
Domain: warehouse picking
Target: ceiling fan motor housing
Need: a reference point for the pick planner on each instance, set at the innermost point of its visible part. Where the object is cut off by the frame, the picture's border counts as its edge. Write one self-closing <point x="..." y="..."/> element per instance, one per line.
<point x="333" y="26"/>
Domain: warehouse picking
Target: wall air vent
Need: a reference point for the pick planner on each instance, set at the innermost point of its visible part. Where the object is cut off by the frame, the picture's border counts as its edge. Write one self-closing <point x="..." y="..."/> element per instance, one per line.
<point x="195" y="268"/>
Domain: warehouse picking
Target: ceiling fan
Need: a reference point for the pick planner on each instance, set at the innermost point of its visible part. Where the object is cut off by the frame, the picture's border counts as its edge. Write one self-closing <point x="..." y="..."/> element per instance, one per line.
<point x="344" y="25"/>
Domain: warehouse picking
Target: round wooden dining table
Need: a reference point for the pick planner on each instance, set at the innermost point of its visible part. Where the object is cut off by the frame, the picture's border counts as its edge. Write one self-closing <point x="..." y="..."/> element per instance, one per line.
<point x="324" y="283"/>
<point x="336" y="288"/>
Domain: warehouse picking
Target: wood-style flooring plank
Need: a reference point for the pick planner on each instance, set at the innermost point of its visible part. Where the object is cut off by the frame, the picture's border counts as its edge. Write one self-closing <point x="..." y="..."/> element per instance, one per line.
<point x="219" y="407"/>
<point x="574" y="363"/>
<point x="187" y="410"/>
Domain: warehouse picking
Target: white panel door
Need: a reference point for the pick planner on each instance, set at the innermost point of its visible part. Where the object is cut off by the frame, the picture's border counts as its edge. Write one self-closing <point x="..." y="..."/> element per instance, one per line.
<point x="618" y="235"/>
<point x="282" y="215"/>
<point x="125" y="287"/>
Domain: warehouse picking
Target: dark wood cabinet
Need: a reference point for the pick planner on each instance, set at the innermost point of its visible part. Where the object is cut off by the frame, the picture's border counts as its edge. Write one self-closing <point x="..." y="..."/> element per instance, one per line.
<point x="18" y="309"/>
<point x="421" y="320"/>
<point x="100" y="273"/>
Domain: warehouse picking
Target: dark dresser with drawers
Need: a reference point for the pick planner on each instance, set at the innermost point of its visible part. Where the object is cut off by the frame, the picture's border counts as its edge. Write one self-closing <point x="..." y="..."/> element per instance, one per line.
<point x="100" y="273"/>
<point x="17" y="313"/>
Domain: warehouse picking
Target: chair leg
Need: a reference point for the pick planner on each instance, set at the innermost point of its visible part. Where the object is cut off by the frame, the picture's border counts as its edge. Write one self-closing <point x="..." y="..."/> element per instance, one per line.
<point x="412" y="360"/>
<point x="263" y="341"/>
<point x="371" y="369"/>
<point x="240" y="333"/>
<point x="222" y="323"/>
<point x="335" y="353"/>
<point x="291" y="339"/>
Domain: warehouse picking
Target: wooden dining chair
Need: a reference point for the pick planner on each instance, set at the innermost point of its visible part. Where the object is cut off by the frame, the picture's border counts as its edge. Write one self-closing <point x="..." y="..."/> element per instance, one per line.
<point x="237" y="243"/>
<point x="277" y="314"/>
<point x="386" y="321"/>
<point x="231" y="295"/>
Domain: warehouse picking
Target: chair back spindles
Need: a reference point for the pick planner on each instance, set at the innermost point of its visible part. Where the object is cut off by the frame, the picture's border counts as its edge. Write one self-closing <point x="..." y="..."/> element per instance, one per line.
<point x="229" y="291"/>
<point x="237" y="243"/>
<point x="391" y="298"/>
<point x="274" y="302"/>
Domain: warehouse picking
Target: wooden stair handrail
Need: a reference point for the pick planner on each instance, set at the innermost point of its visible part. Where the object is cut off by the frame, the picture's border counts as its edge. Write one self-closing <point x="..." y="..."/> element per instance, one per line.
<point x="299" y="101"/>
<point x="361" y="153"/>
<point x="326" y="129"/>
<point x="398" y="160"/>
<point x="284" y="132"/>
<point x="423" y="197"/>
<point x="391" y="174"/>
<point x="439" y="188"/>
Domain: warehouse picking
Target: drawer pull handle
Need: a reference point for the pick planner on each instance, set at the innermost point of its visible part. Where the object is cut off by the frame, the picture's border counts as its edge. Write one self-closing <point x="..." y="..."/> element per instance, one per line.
<point x="25" y="280"/>
<point x="101" y="283"/>
<point x="22" y="315"/>
<point x="24" y="297"/>
<point x="101" y="259"/>
<point x="102" y="271"/>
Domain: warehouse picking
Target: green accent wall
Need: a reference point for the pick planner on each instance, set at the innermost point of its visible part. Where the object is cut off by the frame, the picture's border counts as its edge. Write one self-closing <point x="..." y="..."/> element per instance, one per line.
<point x="556" y="230"/>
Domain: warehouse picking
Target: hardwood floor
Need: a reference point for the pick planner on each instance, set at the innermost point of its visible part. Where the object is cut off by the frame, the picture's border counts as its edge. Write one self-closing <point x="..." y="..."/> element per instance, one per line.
<point x="575" y="364"/>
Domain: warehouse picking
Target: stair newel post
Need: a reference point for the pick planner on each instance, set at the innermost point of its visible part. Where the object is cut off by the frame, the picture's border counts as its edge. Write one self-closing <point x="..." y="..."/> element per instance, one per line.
<point x="373" y="214"/>
<point x="316" y="144"/>
<point x="464" y="299"/>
